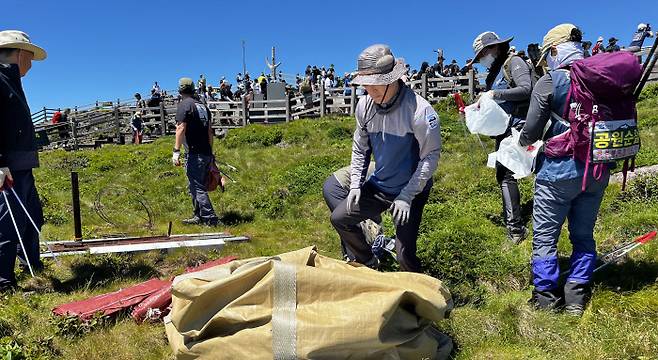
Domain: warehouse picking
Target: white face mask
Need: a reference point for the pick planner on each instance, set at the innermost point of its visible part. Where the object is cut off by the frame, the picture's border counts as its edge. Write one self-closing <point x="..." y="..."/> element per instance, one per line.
<point x="487" y="60"/>
<point x="552" y="62"/>
<point x="567" y="53"/>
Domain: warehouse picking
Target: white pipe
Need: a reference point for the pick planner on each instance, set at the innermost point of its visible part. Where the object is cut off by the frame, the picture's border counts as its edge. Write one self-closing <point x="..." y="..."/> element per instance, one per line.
<point x="32" y="221"/>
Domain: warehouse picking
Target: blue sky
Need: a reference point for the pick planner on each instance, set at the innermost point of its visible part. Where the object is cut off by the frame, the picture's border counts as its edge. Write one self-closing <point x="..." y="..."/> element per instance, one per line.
<point x="111" y="49"/>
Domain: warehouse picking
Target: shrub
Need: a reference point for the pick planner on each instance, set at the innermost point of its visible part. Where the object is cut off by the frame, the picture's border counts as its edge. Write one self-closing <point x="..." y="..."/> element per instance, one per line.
<point x="254" y="136"/>
<point x="642" y="189"/>
<point x="459" y="246"/>
<point x="649" y="92"/>
<point x="296" y="135"/>
<point x="309" y="175"/>
<point x="339" y="132"/>
<point x="272" y="202"/>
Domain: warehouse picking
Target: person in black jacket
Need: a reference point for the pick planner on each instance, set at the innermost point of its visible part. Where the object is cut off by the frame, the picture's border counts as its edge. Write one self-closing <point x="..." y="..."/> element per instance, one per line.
<point x="509" y="82"/>
<point x="18" y="156"/>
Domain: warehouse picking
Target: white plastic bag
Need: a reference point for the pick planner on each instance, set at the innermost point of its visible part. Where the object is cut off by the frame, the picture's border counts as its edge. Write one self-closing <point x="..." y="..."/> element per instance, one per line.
<point x="489" y="119"/>
<point x="519" y="159"/>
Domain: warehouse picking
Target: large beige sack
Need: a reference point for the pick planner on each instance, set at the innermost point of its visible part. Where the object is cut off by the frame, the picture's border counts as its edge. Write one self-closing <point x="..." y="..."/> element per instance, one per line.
<point x="301" y="305"/>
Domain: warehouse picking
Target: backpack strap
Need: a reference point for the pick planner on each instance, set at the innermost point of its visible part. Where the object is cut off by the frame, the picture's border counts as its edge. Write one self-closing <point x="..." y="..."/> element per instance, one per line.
<point x="507" y="73"/>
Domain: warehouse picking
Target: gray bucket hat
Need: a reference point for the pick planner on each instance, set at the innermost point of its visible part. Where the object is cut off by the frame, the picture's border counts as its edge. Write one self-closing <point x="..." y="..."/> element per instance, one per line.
<point x="378" y="66"/>
<point x="483" y="40"/>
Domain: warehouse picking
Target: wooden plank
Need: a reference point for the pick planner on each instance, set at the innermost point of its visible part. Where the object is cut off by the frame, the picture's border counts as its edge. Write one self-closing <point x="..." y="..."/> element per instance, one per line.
<point x="268" y="117"/>
<point x="267" y="109"/>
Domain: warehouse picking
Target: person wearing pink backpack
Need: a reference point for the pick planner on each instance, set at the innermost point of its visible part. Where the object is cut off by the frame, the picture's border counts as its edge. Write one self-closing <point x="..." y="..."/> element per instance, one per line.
<point x="573" y="172"/>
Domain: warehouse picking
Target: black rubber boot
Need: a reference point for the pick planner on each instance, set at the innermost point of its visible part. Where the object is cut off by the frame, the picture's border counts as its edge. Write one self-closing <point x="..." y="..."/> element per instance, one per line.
<point x="576" y="297"/>
<point x="550" y="300"/>
<point x="512" y="210"/>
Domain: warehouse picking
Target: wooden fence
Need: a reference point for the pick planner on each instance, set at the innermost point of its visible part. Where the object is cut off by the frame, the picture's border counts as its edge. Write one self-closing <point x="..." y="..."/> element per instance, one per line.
<point x="109" y="122"/>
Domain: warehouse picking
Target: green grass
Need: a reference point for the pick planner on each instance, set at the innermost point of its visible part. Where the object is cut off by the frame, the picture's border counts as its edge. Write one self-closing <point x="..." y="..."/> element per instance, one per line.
<point x="277" y="201"/>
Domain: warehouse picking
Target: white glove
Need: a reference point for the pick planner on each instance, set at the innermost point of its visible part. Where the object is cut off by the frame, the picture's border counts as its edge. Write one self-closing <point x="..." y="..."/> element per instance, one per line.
<point x="400" y="209"/>
<point x="175" y="158"/>
<point x="353" y="198"/>
<point x="5" y="174"/>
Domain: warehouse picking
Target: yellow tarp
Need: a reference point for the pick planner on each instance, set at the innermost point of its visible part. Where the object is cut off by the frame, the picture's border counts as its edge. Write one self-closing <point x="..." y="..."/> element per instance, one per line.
<point x="301" y="305"/>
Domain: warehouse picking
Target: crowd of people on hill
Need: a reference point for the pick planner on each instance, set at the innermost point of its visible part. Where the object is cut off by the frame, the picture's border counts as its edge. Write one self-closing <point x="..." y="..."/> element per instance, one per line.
<point x="316" y="77"/>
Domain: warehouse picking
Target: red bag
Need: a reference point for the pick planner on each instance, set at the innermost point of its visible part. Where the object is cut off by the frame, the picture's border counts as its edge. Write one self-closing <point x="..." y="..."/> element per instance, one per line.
<point x="214" y="178"/>
<point x="156" y="306"/>
<point x="152" y="296"/>
<point x="108" y="304"/>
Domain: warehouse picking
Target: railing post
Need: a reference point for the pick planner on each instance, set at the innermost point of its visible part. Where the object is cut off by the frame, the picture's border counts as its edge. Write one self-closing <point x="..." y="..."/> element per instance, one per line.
<point x="75" y="195"/>
<point x="163" y="119"/>
<point x="322" y="100"/>
<point x="353" y="100"/>
<point x="245" y="111"/>
<point x="423" y="90"/>
<point x="73" y="121"/>
<point x="471" y="83"/>
<point x="288" y="112"/>
<point x="117" y="124"/>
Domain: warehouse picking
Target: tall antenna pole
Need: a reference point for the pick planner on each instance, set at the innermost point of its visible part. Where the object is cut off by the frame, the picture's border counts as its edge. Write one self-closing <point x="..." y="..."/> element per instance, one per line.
<point x="274" y="62"/>
<point x="244" y="64"/>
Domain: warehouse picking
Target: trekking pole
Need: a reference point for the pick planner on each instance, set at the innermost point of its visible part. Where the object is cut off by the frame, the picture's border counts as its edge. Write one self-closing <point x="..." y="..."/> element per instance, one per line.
<point x="614" y="255"/>
<point x="231" y="167"/>
<point x="617" y="254"/>
<point x="18" y="233"/>
<point x="20" y="202"/>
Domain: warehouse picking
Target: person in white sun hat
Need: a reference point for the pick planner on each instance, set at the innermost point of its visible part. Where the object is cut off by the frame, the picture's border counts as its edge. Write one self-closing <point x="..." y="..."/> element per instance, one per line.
<point x="18" y="156"/>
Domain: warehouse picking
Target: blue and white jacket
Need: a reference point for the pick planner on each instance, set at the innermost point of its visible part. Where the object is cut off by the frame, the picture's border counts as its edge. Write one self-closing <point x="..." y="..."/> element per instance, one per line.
<point x="405" y="140"/>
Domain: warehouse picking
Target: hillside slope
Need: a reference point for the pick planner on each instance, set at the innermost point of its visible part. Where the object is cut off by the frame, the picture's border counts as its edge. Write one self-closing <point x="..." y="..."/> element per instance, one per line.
<point x="277" y="200"/>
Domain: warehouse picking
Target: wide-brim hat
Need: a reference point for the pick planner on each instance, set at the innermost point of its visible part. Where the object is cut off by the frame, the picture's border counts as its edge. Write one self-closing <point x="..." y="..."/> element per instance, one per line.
<point x="484" y="40"/>
<point x="14" y="39"/>
<point x="378" y="66"/>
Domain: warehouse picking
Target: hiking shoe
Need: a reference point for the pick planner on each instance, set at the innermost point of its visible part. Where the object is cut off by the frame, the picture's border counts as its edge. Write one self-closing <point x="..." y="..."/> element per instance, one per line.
<point x="574" y="310"/>
<point x="373" y="263"/>
<point x="517" y="236"/>
<point x="548" y="300"/>
<point x="8" y="289"/>
<point x="212" y="222"/>
<point x="192" y="221"/>
<point x="576" y="297"/>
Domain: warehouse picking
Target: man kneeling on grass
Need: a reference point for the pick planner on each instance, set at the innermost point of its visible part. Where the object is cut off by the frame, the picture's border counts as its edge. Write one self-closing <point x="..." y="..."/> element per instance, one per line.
<point x="194" y="130"/>
<point x="401" y="130"/>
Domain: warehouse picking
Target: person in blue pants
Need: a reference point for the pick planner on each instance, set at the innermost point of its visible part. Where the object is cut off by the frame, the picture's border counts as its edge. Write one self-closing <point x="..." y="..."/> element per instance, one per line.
<point x="558" y="194"/>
